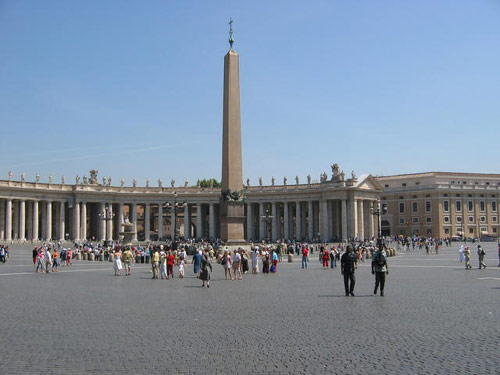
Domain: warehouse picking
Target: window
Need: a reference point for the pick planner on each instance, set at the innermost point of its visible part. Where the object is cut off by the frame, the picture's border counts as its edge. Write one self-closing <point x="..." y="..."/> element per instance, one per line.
<point x="446" y="195"/>
<point x="386" y="185"/>
<point x="494" y="219"/>
<point x="469" y="195"/>
<point x="428" y="206"/>
<point x="446" y="230"/>
<point x="458" y="206"/>
<point x="404" y="183"/>
<point x="484" y="229"/>
<point x="482" y="206"/>
<point x="471" y="230"/>
<point x="482" y="219"/>
<point x="384" y="207"/>
<point x="429" y="231"/>
<point x="401" y="208"/>
<point x="446" y="206"/>
<point x="414" y="220"/>
<point x="459" y="219"/>
<point x="414" y="197"/>
<point x="470" y="205"/>
<point x="428" y="220"/>
<point x="427" y="195"/>
<point x="471" y="219"/>
<point x="494" y="230"/>
<point x="401" y="197"/>
<point x="414" y="207"/>
<point x="464" y="182"/>
<point x="487" y="183"/>
<point x="402" y="231"/>
<point x="417" y="183"/>
<point x="494" y="206"/>
<point x="401" y="220"/>
<point x="446" y="219"/>
<point x="452" y="182"/>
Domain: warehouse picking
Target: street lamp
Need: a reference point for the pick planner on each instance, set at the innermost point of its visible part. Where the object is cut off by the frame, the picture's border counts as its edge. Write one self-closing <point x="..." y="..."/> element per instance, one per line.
<point x="106" y="217"/>
<point x="378" y="212"/>
<point x="172" y="208"/>
<point x="267" y="217"/>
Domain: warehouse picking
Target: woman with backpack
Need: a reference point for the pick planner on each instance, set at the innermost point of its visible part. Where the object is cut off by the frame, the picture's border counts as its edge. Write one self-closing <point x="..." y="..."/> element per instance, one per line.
<point x="379" y="269"/>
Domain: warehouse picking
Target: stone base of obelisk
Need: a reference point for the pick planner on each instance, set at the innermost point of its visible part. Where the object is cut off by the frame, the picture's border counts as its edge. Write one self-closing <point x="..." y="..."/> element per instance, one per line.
<point x="232" y="224"/>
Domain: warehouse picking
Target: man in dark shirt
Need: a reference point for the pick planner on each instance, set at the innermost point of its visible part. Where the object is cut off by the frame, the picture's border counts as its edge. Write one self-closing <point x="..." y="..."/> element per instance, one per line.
<point x="348" y="264"/>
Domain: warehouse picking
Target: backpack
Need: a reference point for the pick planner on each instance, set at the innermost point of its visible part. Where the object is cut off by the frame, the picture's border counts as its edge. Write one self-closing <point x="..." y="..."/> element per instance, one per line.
<point x="223" y="261"/>
<point x="380" y="261"/>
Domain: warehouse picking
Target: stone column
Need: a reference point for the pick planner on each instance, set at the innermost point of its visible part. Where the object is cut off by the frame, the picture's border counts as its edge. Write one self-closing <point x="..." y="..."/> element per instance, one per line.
<point x="48" y="225"/>
<point x="29" y="220"/>
<point x="160" y="220"/>
<point x="274" y="222"/>
<point x="2" y="220"/>
<point x="286" y="221"/>
<point x="121" y="219"/>
<point x="8" y="219"/>
<point x="211" y="220"/>
<point x="102" y="222"/>
<point x="187" y="221"/>
<point x="22" y="220"/>
<point x="262" y="222"/>
<point x="83" y="221"/>
<point x="310" y="220"/>
<point x="199" y="221"/>
<point x="133" y="209"/>
<point x="76" y="221"/>
<point x="361" y="222"/>
<point x="109" y="224"/>
<point x="344" y="234"/>
<point x="353" y="218"/>
<point x="330" y="220"/>
<point x="323" y="214"/>
<point x="35" y="221"/>
<point x="15" y="220"/>
<point x="298" y="221"/>
<point x="250" y="231"/>
<point x="62" y="219"/>
<point x="147" y="222"/>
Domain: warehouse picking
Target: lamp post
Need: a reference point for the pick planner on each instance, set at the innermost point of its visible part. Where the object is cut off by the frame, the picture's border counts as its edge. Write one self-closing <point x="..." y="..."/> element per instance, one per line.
<point x="106" y="216"/>
<point x="172" y="208"/>
<point x="378" y="212"/>
<point x="267" y="217"/>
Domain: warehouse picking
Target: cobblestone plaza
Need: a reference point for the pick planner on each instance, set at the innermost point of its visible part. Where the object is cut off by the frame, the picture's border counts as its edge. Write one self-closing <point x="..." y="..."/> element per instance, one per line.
<point x="436" y="318"/>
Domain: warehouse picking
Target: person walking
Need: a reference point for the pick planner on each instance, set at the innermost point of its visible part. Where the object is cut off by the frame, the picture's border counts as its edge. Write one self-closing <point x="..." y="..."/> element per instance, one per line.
<point x="155" y="264"/>
<point x="467" y="258"/>
<point x="348" y="265"/>
<point x="305" y="256"/>
<point x="127" y="260"/>
<point x="380" y="269"/>
<point x="255" y="260"/>
<point x="237" y="265"/>
<point x="480" y="254"/>
<point x="170" y="265"/>
<point x="205" y="269"/>
<point x="499" y="255"/>
<point x="197" y="263"/>
<point x="225" y="261"/>
<point x="48" y="260"/>
<point x="117" y="262"/>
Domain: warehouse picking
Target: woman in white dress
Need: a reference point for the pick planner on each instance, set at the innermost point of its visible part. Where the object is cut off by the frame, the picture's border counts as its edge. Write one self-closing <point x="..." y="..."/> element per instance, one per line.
<point x="255" y="260"/>
<point x="118" y="263"/>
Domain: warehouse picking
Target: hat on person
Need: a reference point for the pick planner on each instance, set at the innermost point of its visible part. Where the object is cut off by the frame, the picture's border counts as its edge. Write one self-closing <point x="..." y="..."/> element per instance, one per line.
<point x="349" y="248"/>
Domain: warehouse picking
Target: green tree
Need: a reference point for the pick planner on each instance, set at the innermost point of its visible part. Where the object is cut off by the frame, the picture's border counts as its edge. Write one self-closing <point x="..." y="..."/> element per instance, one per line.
<point x="206" y="183"/>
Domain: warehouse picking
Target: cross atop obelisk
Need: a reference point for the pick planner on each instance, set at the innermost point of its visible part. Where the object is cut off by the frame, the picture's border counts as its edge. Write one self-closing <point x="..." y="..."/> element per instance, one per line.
<point x="232" y="213"/>
<point x="231" y="39"/>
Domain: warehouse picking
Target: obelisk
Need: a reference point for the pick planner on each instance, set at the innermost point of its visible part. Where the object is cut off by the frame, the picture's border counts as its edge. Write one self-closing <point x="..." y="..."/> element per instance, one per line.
<point x="232" y="212"/>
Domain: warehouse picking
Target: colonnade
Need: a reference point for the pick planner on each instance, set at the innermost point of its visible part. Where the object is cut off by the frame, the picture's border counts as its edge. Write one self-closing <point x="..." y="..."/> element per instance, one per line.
<point x="323" y="219"/>
<point x="266" y="219"/>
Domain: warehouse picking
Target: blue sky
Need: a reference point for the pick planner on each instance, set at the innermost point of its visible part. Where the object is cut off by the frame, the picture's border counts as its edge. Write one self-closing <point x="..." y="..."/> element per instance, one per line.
<point x="134" y="88"/>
